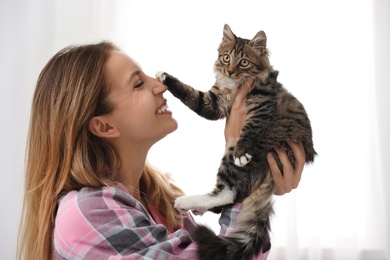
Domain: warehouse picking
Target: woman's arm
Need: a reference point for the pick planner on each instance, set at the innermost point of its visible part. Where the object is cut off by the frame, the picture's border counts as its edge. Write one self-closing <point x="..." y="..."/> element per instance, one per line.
<point x="108" y="223"/>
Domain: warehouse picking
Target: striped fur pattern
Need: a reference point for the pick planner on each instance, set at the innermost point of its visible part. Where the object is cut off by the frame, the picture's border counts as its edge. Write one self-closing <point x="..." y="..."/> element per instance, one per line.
<point x="274" y="116"/>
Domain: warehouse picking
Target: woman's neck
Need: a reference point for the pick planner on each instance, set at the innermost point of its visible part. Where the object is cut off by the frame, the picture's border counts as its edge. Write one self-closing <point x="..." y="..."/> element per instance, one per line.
<point x="131" y="168"/>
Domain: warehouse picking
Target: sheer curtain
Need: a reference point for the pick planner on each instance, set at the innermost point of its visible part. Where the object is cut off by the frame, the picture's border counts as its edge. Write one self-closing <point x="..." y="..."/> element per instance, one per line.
<point x="333" y="55"/>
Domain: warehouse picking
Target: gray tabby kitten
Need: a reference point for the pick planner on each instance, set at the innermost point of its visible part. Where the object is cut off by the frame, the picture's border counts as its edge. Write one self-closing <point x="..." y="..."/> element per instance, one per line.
<point x="273" y="117"/>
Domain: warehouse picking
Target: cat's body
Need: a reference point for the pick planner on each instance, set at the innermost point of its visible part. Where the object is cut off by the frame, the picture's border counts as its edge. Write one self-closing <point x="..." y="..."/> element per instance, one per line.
<point x="273" y="117"/>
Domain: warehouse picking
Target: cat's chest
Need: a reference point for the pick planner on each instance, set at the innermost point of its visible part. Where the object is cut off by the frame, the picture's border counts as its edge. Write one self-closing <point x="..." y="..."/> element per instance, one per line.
<point x="228" y="88"/>
<point x="228" y="95"/>
<point x="227" y="83"/>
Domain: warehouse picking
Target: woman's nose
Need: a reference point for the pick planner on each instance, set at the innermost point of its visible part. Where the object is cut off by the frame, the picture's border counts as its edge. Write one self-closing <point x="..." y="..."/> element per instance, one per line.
<point x="158" y="87"/>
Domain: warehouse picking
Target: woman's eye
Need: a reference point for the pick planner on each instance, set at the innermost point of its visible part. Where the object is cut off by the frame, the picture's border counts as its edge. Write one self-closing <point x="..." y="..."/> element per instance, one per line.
<point x="139" y="84"/>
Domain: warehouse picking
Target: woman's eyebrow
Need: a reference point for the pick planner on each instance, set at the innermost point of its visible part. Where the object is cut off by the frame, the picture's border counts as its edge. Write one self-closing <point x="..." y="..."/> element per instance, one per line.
<point x="132" y="74"/>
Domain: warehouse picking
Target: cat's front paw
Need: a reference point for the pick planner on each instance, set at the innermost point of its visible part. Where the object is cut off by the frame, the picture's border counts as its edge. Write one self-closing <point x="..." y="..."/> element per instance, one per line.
<point x="243" y="160"/>
<point x="161" y="76"/>
<point x="192" y="203"/>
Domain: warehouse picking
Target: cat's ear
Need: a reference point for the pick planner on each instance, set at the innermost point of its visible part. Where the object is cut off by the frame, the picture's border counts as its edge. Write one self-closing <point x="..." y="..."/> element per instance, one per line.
<point x="259" y="42"/>
<point x="228" y="35"/>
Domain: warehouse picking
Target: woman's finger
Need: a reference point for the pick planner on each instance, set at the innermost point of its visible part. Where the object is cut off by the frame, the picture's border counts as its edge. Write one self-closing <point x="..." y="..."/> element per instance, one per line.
<point x="289" y="179"/>
<point x="277" y="175"/>
<point x="288" y="169"/>
<point x="300" y="159"/>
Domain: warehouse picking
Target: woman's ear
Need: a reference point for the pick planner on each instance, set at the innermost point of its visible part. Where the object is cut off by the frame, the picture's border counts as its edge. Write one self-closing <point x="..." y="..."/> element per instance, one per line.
<point x="101" y="128"/>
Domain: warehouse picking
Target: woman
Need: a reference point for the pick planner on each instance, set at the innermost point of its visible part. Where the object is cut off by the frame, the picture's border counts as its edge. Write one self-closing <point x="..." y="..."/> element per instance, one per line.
<point x="89" y="193"/>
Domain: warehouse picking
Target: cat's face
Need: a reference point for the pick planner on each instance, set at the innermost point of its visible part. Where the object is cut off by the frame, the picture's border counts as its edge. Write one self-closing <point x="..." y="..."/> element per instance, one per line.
<point x="241" y="58"/>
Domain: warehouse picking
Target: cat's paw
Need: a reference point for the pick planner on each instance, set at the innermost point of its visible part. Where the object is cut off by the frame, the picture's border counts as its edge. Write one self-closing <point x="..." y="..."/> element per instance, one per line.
<point x="192" y="203"/>
<point x="243" y="160"/>
<point x="161" y="76"/>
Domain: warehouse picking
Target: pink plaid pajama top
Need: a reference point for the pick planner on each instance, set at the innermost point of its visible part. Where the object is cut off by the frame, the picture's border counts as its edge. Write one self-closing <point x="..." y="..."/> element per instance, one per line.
<point x="108" y="223"/>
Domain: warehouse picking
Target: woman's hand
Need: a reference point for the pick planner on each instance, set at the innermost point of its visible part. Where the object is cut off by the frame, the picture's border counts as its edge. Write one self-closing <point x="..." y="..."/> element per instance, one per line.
<point x="291" y="176"/>
<point x="237" y="115"/>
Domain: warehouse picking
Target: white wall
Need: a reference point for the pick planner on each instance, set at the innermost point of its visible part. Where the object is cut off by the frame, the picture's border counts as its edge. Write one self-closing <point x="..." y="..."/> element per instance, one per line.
<point x="331" y="54"/>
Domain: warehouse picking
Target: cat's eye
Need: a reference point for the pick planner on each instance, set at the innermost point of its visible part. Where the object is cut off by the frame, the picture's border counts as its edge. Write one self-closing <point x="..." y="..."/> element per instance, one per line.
<point x="226" y="58"/>
<point x="244" y="63"/>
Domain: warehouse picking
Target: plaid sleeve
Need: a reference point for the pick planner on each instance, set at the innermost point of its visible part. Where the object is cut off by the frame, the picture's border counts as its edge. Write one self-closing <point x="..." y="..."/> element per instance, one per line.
<point x="108" y="223"/>
<point x="228" y="220"/>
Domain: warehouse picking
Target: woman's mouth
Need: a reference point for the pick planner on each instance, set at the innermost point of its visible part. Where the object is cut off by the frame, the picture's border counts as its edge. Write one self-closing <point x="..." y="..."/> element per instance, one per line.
<point x="162" y="109"/>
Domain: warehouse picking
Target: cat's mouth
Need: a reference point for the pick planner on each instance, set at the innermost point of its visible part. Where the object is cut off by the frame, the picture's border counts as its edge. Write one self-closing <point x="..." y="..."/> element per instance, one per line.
<point x="231" y="75"/>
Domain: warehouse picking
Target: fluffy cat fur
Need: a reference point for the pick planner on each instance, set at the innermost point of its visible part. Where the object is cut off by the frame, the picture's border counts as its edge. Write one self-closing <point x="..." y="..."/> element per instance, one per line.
<point x="273" y="117"/>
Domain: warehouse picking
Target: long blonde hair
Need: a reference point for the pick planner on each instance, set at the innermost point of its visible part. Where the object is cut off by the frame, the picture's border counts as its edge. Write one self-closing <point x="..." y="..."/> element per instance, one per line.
<point x="62" y="155"/>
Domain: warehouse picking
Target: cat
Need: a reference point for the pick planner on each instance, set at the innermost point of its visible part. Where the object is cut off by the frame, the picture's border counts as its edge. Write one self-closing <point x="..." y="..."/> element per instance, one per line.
<point x="274" y="116"/>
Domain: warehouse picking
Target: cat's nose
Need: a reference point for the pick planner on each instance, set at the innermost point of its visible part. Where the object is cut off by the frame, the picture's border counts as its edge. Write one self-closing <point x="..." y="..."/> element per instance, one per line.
<point x="230" y="72"/>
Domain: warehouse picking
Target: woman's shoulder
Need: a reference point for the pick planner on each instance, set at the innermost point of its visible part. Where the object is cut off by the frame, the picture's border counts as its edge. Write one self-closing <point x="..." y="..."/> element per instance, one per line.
<point x="98" y="198"/>
<point x="91" y="208"/>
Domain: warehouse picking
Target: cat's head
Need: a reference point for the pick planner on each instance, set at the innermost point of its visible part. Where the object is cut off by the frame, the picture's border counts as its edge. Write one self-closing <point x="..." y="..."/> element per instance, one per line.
<point x="239" y="58"/>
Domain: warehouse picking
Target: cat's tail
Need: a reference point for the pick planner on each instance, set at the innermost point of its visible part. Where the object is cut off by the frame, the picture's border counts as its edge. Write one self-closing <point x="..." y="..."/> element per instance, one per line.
<point x="251" y="234"/>
<point x="211" y="246"/>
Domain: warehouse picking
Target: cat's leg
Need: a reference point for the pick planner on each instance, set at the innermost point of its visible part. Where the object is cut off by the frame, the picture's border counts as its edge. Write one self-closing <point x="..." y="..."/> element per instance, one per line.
<point x="246" y="147"/>
<point x="240" y="155"/>
<point x="161" y="76"/>
<point x="253" y="133"/>
<point x="205" y="104"/>
<point x="242" y="160"/>
<point x="199" y="204"/>
<point x="187" y="94"/>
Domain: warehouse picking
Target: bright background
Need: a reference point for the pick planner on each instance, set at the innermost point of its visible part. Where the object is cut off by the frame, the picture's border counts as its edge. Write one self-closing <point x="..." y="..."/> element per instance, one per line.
<point x="333" y="55"/>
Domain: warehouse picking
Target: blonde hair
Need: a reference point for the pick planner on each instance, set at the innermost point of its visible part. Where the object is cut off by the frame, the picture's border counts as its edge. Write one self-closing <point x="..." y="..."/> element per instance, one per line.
<point x="63" y="155"/>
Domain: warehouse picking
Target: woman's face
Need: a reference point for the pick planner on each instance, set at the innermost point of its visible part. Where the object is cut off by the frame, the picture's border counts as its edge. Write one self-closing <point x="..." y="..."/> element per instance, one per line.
<point x="140" y="111"/>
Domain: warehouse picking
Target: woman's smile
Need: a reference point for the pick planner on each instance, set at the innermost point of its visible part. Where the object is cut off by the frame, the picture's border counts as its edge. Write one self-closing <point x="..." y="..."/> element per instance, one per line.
<point x="163" y="109"/>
